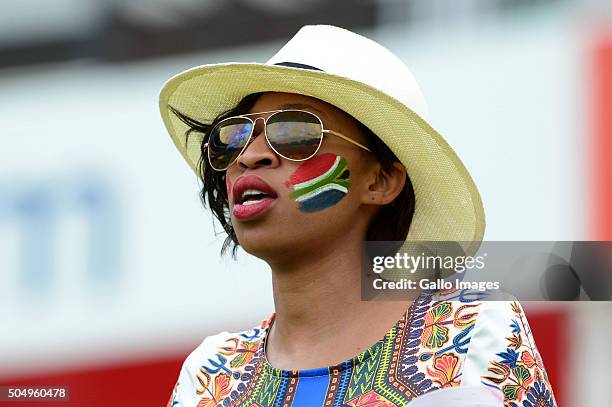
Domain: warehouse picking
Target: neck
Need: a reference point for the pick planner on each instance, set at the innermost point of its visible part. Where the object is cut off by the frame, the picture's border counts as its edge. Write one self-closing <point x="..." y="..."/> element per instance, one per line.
<point x="318" y="305"/>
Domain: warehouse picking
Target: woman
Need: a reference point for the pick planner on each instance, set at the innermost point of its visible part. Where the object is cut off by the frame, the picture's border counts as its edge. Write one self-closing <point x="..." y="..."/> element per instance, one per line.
<point x="302" y="160"/>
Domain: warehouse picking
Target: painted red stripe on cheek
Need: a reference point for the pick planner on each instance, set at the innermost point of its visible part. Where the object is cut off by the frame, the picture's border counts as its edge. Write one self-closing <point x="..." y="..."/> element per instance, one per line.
<point x="312" y="168"/>
<point x="228" y="186"/>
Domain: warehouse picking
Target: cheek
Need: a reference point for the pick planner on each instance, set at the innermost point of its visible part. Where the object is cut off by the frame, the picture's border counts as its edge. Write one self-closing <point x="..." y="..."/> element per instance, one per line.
<point x="319" y="182"/>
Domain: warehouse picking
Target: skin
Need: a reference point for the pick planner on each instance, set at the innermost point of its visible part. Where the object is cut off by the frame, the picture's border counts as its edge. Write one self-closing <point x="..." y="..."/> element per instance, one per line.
<point x="315" y="257"/>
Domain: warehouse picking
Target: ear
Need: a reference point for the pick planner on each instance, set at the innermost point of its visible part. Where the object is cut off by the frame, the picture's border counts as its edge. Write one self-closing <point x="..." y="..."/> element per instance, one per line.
<point x="387" y="186"/>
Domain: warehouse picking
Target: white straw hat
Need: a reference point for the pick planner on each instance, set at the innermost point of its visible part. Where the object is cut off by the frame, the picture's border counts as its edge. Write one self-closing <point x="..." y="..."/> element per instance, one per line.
<point x="365" y="80"/>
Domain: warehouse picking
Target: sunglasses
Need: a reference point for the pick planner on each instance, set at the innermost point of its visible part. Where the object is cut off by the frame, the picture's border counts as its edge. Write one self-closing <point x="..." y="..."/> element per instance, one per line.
<point x="295" y="135"/>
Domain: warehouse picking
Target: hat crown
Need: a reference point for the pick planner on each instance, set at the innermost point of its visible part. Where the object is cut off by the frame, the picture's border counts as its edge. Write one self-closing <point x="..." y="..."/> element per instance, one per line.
<point x="342" y="52"/>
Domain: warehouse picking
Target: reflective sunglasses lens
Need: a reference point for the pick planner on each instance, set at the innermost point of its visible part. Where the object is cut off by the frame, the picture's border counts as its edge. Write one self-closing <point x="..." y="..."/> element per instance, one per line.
<point x="294" y="135"/>
<point x="227" y="140"/>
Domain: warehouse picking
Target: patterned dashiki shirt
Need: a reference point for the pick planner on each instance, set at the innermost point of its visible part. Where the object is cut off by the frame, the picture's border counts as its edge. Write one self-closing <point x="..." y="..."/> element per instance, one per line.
<point x="444" y="339"/>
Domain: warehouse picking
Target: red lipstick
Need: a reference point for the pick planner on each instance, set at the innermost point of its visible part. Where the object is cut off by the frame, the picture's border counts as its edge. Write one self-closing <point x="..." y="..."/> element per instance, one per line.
<point x="252" y="197"/>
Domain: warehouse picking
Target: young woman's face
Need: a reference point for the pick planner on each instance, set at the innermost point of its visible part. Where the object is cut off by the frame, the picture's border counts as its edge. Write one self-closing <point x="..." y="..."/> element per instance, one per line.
<point x="311" y="203"/>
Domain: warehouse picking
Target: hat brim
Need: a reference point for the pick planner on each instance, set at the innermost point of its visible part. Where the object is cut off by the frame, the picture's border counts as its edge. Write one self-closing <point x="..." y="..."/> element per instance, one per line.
<point x="448" y="205"/>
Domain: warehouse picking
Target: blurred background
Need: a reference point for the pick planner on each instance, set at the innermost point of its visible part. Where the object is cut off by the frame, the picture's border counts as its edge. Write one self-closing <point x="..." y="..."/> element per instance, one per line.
<point x="110" y="271"/>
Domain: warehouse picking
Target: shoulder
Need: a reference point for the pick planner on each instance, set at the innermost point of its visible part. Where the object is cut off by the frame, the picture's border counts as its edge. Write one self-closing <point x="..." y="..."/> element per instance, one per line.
<point x="480" y="311"/>
<point x="503" y="354"/>
<point x="482" y="338"/>
<point x="484" y="319"/>
<point x="217" y="347"/>
<point x="215" y="362"/>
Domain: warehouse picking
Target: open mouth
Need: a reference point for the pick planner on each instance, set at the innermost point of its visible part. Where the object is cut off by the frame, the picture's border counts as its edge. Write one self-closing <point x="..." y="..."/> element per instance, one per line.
<point x="252" y="196"/>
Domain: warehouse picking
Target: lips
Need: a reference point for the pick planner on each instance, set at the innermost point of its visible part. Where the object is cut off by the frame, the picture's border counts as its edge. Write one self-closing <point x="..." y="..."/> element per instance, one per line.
<point x="252" y="197"/>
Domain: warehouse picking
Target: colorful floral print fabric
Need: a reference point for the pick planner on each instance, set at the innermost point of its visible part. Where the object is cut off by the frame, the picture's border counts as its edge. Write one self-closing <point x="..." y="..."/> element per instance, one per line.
<point x="443" y="340"/>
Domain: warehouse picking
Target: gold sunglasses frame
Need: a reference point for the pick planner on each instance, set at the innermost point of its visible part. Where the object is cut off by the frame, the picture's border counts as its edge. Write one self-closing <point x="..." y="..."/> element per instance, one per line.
<point x="265" y="119"/>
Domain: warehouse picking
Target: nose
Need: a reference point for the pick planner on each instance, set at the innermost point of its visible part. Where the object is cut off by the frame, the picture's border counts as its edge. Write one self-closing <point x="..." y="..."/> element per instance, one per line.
<point x="257" y="152"/>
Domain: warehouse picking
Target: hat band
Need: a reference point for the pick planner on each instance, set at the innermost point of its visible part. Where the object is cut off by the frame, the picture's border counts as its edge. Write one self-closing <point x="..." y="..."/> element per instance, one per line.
<point x="297" y="65"/>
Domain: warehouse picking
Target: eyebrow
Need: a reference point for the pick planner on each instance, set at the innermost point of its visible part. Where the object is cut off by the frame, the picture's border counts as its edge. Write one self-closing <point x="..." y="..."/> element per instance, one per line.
<point x="302" y="106"/>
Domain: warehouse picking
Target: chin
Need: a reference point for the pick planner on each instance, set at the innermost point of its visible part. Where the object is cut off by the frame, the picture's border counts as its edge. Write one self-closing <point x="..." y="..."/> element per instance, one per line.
<point x="268" y="243"/>
<point x="257" y="239"/>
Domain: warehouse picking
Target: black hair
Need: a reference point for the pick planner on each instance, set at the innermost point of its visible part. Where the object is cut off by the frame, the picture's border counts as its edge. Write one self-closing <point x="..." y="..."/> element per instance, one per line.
<point x="391" y="222"/>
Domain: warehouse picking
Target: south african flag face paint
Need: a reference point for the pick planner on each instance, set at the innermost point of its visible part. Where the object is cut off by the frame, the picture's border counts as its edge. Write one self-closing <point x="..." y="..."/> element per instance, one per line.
<point x="320" y="182"/>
